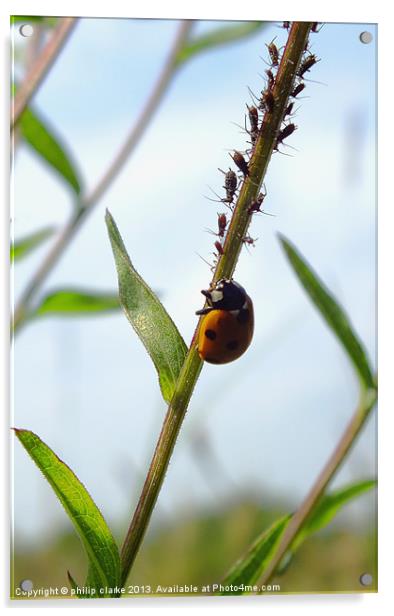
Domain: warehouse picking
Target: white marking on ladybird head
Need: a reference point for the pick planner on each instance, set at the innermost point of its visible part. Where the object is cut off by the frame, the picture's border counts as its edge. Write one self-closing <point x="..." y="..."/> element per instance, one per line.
<point x="216" y="296"/>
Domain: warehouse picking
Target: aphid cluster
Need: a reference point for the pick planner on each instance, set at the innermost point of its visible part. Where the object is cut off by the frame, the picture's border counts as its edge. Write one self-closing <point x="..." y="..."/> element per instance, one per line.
<point x="227" y="323"/>
<point x="264" y="104"/>
<point x="308" y="61"/>
<point x="254" y="117"/>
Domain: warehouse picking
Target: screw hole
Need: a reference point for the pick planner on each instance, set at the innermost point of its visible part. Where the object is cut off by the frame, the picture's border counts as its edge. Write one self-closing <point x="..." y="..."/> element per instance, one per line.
<point x="366" y="579"/>
<point x="26" y="30"/>
<point x="366" y="37"/>
<point x="26" y="585"/>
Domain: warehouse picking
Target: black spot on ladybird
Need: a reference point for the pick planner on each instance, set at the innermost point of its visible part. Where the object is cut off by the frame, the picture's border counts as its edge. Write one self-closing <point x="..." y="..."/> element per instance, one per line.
<point x="232" y="345"/>
<point x="210" y="334"/>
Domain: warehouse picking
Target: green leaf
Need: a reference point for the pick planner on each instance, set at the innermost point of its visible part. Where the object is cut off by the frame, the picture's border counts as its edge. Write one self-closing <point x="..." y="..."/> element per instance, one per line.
<point x="249" y="568"/>
<point x="328" y="507"/>
<point x="44" y="142"/>
<point x="219" y="36"/>
<point x="325" y="510"/>
<point x="332" y="312"/>
<point x="148" y="317"/>
<point x="94" y="533"/>
<point x="75" y="302"/>
<point x="21" y="248"/>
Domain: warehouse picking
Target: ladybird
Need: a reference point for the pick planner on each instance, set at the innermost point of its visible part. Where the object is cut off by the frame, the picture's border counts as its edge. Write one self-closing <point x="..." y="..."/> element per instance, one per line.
<point x="227" y="327"/>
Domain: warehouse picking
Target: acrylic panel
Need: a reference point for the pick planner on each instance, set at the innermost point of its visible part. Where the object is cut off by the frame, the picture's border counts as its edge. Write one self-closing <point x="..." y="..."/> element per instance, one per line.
<point x="157" y="452"/>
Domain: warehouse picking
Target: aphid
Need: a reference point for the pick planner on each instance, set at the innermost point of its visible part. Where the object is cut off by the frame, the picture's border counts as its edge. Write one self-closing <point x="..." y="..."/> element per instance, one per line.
<point x="286" y="25"/>
<point x="226" y="330"/>
<point x="289" y="109"/>
<point x="274" y="53"/>
<point x="222" y="224"/>
<point x="254" y="123"/>
<point x="219" y="248"/>
<point x="315" y="27"/>
<point x="307" y="64"/>
<point x="284" y="133"/>
<point x="248" y="240"/>
<point x="230" y="181"/>
<point x="271" y="79"/>
<point x="297" y="90"/>
<point x="267" y="101"/>
<point x="230" y="185"/>
<point x="240" y="162"/>
<point x="253" y="119"/>
<point x="255" y="206"/>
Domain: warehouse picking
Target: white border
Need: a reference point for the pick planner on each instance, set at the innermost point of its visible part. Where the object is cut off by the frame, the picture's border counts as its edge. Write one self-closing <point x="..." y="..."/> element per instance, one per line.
<point x="339" y="11"/>
<point x="334" y="11"/>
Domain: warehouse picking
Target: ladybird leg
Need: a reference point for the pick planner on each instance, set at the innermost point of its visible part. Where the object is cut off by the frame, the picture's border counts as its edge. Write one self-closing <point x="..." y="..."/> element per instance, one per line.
<point x="204" y="310"/>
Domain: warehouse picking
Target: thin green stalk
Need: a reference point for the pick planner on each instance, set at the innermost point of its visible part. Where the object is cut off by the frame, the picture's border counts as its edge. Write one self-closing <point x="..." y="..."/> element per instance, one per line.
<point x="22" y="311"/>
<point x="284" y="85"/>
<point x="234" y="241"/>
<point x="40" y="67"/>
<point x="367" y="402"/>
<point x="87" y="203"/>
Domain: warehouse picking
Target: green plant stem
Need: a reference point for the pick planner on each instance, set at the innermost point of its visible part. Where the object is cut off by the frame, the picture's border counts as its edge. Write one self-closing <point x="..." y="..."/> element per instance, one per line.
<point x="284" y="84"/>
<point x="367" y="402"/>
<point x="87" y="203"/>
<point x="22" y="312"/>
<point x="234" y="240"/>
<point x="40" y="67"/>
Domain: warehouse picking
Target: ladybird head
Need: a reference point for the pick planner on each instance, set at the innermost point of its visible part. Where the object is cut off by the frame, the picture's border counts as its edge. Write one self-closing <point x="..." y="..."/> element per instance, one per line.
<point x="226" y="295"/>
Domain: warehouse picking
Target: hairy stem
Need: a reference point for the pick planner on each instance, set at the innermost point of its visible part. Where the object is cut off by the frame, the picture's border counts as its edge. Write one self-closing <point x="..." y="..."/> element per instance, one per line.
<point x="234" y="240"/>
<point x="40" y="67"/>
<point x="87" y="203"/>
<point x="22" y="310"/>
<point x="367" y="402"/>
<point x="264" y="147"/>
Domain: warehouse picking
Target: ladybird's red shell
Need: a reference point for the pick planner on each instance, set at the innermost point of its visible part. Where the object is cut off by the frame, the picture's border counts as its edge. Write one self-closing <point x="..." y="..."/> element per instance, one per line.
<point x="225" y="335"/>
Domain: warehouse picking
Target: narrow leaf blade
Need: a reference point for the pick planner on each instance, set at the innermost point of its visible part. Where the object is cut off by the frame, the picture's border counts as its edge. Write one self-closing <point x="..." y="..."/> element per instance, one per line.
<point x="219" y="36"/>
<point x="329" y="506"/>
<point x="96" y="537"/>
<point x="147" y="316"/>
<point x="76" y="303"/>
<point x="249" y="568"/>
<point x="46" y="144"/>
<point x="23" y="247"/>
<point x="332" y="312"/>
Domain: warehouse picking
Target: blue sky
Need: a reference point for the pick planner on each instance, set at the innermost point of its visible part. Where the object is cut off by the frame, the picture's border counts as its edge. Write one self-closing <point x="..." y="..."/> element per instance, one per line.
<point x="87" y="386"/>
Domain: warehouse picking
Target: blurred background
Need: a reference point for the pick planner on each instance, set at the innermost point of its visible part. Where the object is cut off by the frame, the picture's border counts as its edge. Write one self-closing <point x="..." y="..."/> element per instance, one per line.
<point x="259" y="430"/>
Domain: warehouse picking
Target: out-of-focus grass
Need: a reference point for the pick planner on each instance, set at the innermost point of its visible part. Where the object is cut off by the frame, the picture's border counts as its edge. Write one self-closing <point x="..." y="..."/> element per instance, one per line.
<point x="199" y="550"/>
